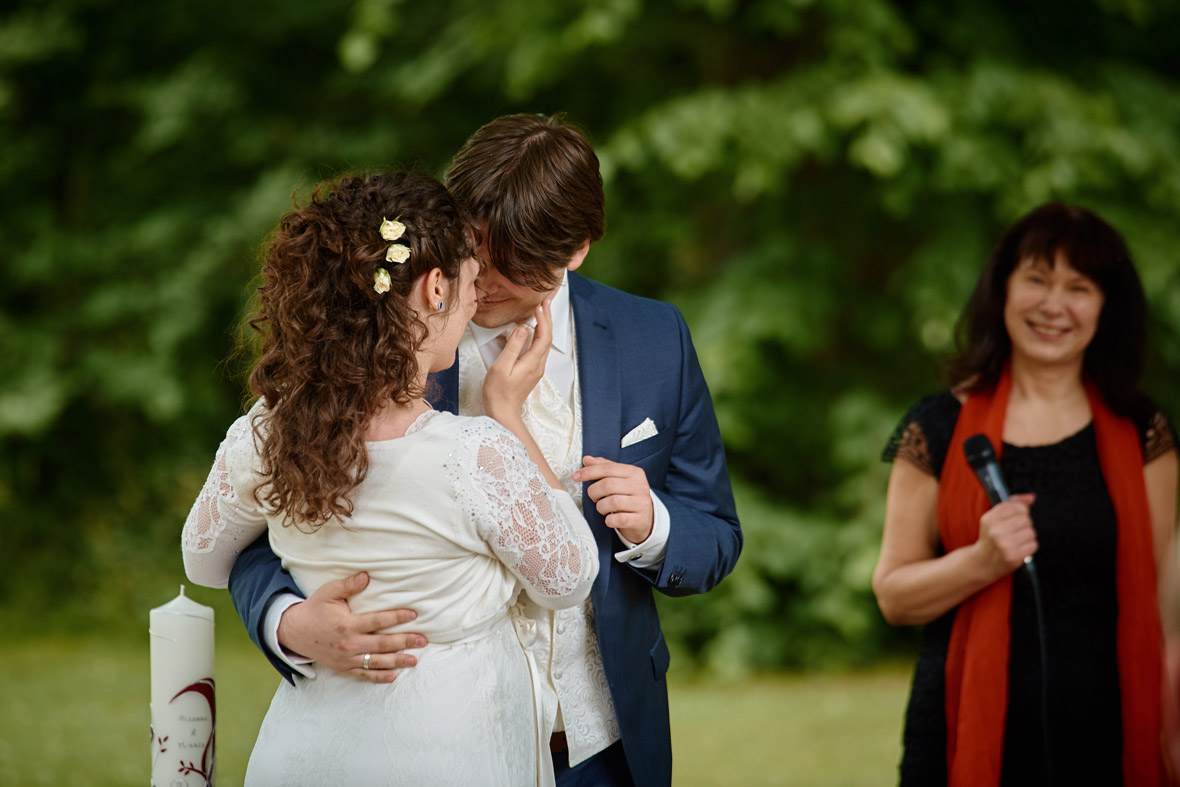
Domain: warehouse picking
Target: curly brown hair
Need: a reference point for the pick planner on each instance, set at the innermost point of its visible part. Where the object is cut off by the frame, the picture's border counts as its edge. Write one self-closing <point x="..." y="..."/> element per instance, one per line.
<point x="333" y="350"/>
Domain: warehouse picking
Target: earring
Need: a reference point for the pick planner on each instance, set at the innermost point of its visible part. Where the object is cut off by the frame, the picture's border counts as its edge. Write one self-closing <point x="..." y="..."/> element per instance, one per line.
<point x="440" y="306"/>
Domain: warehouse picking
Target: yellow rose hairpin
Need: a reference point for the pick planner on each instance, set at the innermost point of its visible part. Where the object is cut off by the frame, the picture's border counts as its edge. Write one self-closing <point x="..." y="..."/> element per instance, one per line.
<point x="397" y="253"/>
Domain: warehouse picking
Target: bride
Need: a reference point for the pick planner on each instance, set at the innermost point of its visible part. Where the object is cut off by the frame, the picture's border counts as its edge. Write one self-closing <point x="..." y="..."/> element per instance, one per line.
<point x="365" y="291"/>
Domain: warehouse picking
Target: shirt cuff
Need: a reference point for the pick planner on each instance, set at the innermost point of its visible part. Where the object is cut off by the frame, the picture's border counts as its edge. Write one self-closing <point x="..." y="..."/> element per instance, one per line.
<point x="651" y="552"/>
<point x="270" y="630"/>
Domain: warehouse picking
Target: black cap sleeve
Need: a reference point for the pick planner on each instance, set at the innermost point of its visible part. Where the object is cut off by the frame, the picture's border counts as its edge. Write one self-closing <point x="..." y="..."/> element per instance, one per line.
<point x="924" y="433"/>
<point x="1157" y="434"/>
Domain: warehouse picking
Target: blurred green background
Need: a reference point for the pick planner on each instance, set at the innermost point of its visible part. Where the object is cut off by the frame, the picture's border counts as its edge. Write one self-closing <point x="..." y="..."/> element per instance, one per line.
<point x="815" y="184"/>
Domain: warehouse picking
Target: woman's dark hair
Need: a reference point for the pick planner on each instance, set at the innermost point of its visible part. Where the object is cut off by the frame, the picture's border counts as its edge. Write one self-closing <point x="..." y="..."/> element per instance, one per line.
<point x="333" y="349"/>
<point x="1114" y="358"/>
<point x="533" y="187"/>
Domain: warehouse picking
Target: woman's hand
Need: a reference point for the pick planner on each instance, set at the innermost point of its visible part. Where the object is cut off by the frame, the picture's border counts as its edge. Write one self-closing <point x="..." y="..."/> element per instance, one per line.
<point x="915" y="583"/>
<point x="1006" y="535"/>
<point x="513" y="376"/>
<point x="515" y="373"/>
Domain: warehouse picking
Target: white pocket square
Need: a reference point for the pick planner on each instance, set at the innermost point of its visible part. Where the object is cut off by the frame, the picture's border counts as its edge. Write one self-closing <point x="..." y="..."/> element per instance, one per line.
<point x="642" y="432"/>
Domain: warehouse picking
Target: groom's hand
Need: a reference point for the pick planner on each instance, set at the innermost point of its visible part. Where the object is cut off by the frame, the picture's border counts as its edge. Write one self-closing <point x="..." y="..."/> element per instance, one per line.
<point x="621" y="494"/>
<point x="326" y="630"/>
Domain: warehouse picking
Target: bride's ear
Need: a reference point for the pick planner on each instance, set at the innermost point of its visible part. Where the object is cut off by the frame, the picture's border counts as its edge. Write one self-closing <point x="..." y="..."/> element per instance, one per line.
<point x="430" y="291"/>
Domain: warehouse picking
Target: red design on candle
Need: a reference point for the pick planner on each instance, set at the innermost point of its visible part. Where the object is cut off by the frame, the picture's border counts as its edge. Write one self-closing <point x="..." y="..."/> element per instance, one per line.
<point x="204" y="687"/>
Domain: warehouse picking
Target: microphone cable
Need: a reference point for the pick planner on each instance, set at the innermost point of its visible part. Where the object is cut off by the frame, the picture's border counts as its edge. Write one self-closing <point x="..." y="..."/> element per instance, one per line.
<point x="1035" y="583"/>
<point x="981" y="457"/>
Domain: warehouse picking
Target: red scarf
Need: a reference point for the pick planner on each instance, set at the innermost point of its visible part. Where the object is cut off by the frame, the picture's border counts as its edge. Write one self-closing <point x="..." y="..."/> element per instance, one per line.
<point x="977" y="660"/>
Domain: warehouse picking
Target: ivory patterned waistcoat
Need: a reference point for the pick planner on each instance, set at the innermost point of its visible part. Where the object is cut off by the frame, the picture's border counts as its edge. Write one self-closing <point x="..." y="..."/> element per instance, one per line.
<point x="567" y="646"/>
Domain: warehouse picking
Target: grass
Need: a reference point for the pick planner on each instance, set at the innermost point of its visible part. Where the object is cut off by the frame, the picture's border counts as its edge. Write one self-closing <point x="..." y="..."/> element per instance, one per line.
<point x="75" y="711"/>
<point x="841" y="730"/>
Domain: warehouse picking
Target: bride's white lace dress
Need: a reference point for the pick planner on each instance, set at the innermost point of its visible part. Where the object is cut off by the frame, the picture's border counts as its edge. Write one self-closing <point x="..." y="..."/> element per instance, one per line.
<point x="452" y="521"/>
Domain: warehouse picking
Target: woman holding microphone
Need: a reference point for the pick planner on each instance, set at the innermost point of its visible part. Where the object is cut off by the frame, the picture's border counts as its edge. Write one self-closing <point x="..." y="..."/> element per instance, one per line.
<point x="1054" y="343"/>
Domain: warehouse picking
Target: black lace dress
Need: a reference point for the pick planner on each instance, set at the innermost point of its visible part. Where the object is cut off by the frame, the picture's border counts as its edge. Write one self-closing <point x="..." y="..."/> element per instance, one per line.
<point x="1076" y="533"/>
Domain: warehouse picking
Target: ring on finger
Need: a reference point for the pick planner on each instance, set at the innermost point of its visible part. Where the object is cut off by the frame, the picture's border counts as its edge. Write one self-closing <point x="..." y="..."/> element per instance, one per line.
<point x="365" y="663"/>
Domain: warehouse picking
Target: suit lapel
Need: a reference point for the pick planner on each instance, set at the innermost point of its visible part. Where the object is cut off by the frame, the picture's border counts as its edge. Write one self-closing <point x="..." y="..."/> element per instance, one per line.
<point x="600" y="384"/>
<point x="598" y="371"/>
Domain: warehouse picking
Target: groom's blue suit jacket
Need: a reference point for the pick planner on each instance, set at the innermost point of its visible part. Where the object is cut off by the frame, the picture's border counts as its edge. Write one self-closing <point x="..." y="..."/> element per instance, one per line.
<point x="635" y="361"/>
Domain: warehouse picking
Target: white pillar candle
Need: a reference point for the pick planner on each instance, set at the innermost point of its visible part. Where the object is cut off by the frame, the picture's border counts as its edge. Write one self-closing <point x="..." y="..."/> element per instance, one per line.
<point x="183" y="710"/>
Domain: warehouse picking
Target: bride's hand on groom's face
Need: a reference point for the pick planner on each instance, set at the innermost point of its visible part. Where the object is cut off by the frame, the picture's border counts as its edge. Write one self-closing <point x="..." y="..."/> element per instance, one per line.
<point x="518" y="368"/>
<point x="326" y="630"/>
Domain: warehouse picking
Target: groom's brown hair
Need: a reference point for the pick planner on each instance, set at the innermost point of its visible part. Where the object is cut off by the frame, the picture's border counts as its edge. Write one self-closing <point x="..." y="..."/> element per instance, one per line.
<point x="533" y="187"/>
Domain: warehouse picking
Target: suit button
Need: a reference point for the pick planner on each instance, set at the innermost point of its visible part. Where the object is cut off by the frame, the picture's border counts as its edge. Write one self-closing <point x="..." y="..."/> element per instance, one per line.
<point x="674" y="579"/>
<point x="560" y="628"/>
<point x="557" y="674"/>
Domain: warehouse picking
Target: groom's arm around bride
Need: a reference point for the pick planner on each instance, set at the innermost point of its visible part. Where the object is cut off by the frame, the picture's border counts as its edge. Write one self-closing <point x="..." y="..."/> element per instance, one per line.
<point x="654" y="486"/>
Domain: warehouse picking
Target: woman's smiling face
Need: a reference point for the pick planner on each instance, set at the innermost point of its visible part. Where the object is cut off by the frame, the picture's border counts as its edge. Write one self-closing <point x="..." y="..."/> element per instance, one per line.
<point x="1051" y="312"/>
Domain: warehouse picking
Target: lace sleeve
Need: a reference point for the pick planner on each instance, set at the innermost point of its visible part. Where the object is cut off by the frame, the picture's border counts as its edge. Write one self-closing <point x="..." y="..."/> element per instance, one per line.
<point x="924" y="433"/>
<point x="537" y="532"/>
<point x="225" y="518"/>
<point x="1159" y="438"/>
<point x="912" y="447"/>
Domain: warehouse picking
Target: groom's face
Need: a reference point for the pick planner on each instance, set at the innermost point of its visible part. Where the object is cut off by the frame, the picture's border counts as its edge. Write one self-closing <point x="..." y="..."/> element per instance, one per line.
<point x="502" y="301"/>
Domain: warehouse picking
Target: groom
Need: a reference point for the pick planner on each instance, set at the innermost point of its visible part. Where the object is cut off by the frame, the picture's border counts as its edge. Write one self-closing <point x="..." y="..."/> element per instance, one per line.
<point x="625" y="419"/>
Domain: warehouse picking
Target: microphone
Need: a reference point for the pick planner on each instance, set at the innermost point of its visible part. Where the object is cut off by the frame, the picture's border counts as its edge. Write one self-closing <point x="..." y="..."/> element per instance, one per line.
<point x="982" y="458"/>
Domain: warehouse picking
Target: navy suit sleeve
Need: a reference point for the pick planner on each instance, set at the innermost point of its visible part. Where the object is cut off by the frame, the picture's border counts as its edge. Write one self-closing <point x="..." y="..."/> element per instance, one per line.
<point x="705" y="538"/>
<point x="255" y="580"/>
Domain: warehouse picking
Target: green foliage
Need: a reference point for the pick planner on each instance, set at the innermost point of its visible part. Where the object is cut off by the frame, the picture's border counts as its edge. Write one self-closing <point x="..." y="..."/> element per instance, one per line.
<point x="814" y="184"/>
